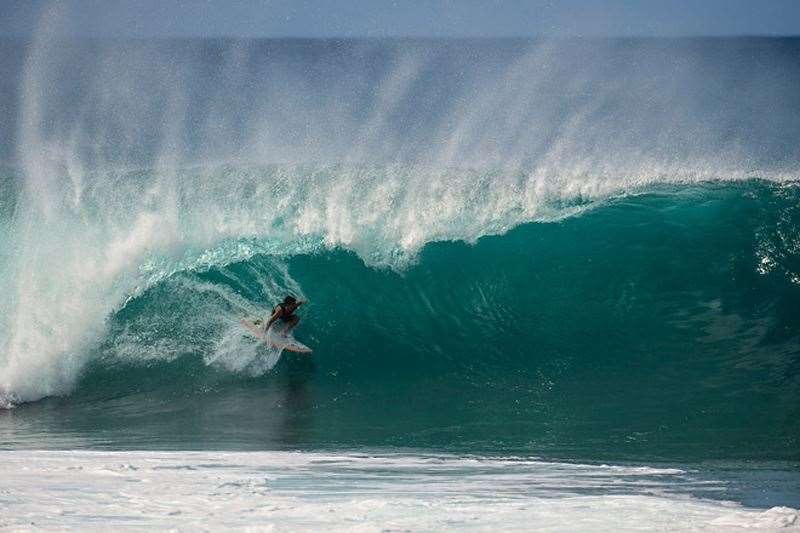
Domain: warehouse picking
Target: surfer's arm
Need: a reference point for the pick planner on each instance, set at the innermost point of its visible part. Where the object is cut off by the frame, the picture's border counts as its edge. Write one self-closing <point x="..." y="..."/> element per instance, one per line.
<point x="272" y="319"/>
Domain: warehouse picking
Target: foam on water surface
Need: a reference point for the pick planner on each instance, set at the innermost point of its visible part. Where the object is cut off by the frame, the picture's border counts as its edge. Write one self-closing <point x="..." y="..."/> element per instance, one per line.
<point x="298" y="491"/>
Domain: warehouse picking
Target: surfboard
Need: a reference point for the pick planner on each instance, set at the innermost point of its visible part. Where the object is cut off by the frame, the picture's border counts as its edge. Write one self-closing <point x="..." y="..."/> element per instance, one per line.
<point x="276" y="340"/>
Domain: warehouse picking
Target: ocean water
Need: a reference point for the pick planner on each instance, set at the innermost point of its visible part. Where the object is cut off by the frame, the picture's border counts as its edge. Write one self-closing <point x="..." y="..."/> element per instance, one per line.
<point x="550" y="284"/>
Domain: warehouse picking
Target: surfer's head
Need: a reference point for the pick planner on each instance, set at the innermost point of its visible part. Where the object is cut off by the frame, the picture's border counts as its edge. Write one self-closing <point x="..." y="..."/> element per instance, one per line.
<point x="290" y="300"/>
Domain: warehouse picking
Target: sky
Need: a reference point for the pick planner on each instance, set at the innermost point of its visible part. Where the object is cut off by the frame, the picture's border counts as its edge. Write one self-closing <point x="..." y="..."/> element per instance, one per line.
<point x="410" y="18"/>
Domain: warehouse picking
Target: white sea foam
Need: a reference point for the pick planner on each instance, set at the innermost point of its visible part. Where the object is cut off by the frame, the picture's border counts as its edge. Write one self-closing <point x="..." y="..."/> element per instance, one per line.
<point x="297" y="491"/>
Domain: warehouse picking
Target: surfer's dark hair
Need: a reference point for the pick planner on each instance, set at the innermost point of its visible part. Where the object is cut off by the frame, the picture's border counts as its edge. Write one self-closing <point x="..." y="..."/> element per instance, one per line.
<point x="289" y="300"/>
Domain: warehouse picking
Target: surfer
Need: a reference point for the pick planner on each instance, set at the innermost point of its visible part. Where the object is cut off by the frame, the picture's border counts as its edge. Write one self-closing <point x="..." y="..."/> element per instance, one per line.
<point x="285" y="313"/>
<point x="281" y="339"/>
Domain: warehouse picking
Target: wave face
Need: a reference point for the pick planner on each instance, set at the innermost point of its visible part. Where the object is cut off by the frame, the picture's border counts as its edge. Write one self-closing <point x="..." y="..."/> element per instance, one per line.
<point x="524" y="244"/>
<point x="662" y="324"/>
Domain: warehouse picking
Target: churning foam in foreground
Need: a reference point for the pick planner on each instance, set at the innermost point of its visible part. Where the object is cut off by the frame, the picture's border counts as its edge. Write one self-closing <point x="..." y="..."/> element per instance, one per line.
<point x="295" y="491"/>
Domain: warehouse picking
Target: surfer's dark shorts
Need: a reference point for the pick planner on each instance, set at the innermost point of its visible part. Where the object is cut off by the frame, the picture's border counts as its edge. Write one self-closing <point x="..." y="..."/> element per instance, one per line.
<point x="289" y="318"/>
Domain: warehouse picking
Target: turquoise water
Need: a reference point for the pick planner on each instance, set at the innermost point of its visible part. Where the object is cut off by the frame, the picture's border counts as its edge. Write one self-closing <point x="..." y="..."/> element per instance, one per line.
<point x="548" y="282"/>
<point x="582" y="249"/>
<point x="662" y="325"/>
